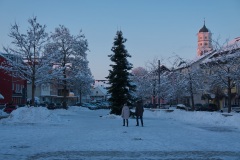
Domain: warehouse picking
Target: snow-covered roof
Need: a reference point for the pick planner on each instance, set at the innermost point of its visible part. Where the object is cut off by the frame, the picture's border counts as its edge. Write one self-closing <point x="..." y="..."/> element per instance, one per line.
<point x="234" y="44"/>
<point x="230" y="50"/>
<point x="196" y="60"/>
<point x="102" y="89"/>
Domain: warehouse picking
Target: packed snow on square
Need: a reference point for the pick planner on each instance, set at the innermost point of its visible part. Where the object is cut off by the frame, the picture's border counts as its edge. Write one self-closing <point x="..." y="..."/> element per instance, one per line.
<point x="80" y="133"/>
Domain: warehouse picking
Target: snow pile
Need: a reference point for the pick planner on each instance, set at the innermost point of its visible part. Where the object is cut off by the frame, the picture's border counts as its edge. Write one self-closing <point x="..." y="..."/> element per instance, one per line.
<point x="72" y="110"/>
<point x="2" y="113"/>
<point x="77" y="109"/>
<point x="210" y="118"/>
<point x="111" y="116"/>
<point x="43" y="115"/>
<point x="32" y="115"/>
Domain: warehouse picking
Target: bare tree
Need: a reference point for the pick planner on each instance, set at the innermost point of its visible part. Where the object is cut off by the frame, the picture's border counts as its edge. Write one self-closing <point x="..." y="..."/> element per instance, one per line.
<point x="82" y="81"/>
<point x="70" y="56"/>
<point x="223" y="68"/>
<point x="189" y="78"/>
<point x="141" y="80"/>
<point x="151" y="82"/>
<point x="29" y="61"/>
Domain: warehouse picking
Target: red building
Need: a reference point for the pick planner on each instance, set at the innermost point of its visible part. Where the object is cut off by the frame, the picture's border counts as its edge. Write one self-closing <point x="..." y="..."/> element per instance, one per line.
<point x="12" y="89"/>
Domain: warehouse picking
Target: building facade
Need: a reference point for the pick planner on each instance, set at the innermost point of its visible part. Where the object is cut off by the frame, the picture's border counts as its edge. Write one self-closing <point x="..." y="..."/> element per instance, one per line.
<point x="13" y="89"/>
<point x="51" y="93"/>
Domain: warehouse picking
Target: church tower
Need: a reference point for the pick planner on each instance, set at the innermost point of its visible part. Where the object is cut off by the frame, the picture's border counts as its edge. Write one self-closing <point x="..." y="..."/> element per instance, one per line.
<point x="204" y="40"/>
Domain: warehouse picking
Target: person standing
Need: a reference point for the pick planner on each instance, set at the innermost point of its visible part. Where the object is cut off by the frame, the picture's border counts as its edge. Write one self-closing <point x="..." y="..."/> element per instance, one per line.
<point x="125" y="114"/>
<point x="139" y="112"/>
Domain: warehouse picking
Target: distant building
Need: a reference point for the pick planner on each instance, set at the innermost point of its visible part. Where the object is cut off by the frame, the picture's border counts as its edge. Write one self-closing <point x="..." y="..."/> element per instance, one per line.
<point x="99" y="91"/>
<point x="204" y="41"/>
<point x="51" y="93"/>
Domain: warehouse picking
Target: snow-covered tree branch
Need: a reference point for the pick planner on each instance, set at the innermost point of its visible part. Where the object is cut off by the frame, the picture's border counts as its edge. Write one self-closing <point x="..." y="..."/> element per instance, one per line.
<point x="70" y="58"/>
<point x="26" y="58"/>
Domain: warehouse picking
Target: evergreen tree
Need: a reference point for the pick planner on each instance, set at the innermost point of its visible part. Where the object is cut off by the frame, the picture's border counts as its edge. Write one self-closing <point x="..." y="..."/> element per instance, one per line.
<point x="121" y="89"/>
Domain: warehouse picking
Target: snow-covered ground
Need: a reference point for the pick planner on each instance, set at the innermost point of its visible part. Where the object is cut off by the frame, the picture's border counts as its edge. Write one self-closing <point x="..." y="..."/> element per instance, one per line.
<point x="79" y="133"/>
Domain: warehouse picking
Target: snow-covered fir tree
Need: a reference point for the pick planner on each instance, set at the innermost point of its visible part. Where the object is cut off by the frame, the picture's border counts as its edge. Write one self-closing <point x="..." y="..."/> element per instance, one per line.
<point x="121" y="87"/>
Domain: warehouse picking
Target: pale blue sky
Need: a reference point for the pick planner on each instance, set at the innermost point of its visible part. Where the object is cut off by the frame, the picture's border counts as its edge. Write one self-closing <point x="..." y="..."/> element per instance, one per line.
<point x="153" y="28"/>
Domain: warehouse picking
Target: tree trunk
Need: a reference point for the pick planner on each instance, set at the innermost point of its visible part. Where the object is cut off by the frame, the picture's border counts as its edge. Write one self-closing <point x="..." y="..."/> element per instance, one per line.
<point x="33" y="86"/>
<point x="80" y="96"/>
<point x="33" y="76"/>
<point x="191" y="92"/>
<point x="154" y="96"/>
<point x="64" y="103"/>
<point x="229" y="95"/>
<point x="32" y="101"/>
<point x="64" y="92"/>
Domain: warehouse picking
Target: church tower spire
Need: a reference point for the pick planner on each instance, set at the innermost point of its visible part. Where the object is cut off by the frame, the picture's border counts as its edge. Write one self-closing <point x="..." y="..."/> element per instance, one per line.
<point x="204" y="40"/>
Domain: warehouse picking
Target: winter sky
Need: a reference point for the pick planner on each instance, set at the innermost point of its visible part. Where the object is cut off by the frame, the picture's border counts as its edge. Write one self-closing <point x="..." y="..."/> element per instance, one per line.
<point x="154" y="28"/>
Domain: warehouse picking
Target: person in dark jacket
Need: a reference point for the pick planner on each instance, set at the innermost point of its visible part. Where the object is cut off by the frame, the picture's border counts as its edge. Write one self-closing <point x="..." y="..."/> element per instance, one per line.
<point x="139" y="112"/>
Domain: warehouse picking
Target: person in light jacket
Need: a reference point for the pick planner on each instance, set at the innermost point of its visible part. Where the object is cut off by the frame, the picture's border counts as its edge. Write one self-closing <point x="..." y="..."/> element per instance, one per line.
<point x="139" y="112"/>
<point x="125" y="114"/>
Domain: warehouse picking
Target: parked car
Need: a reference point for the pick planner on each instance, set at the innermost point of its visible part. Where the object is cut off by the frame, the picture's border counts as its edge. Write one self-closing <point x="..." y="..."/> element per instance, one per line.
<point x="2" y="105"/>
<point x="210" y="107"/>
<point x="51" y="106"/>
<point x="58" y="106"/>
<point x="164" y="106"/>
<point x="93" y="107"/>
<point x="43" y="105"/>
<point x="21" y="105"/>
<point x="9" y="108"/>
<point x="235" y="108"/>
<point x="148" y="105"/>
<point x="101" y="105"/>
<point x="183" y="106"/>
<point x="198" y="107"/>
<point x="85" y="105"/>
<point x="105" y="105"/>
<point x="77" y="104"/>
